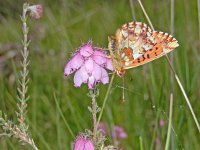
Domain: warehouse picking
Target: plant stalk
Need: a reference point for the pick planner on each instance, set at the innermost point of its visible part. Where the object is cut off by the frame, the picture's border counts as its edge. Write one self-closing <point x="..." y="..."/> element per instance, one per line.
<point x="175" y="75"/>
<point x="170" y="123"/>
<point x="105" y="99"/>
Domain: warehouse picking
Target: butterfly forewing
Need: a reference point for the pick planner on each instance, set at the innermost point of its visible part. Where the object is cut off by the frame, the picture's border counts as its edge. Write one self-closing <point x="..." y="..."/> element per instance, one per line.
<point x="134" y="40"/>
<point x="139" y="44"/>
<point x="164" y="44"/>
<point x="136" y="44"/>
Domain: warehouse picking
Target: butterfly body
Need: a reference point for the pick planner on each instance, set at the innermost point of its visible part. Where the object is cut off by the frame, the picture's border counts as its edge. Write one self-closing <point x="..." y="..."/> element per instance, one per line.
<point x="136" y="44"/>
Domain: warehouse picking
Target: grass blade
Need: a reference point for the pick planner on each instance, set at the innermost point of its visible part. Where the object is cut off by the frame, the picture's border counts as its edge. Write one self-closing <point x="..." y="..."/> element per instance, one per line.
<point x="105" y="99"/>
<point x="141" y="143"/>
<point x="176" y="76"/>
<point x="61" y="114"/>
<point x="170" y="123"/>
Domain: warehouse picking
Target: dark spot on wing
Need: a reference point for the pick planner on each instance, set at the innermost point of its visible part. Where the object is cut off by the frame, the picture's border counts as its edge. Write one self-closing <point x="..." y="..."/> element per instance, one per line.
<point x="143" y="57"/>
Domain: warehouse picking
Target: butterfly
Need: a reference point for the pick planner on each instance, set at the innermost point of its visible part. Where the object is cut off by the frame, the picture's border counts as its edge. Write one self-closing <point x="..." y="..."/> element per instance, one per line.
<point x="136" y="44"/>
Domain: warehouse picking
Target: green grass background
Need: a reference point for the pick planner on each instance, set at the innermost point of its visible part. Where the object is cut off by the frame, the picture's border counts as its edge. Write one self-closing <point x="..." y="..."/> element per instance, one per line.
<point x="67" y="24"/>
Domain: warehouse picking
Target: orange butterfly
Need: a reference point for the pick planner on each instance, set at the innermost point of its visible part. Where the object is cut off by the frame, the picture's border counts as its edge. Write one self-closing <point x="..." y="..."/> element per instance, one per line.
<point x="136" y="44"/>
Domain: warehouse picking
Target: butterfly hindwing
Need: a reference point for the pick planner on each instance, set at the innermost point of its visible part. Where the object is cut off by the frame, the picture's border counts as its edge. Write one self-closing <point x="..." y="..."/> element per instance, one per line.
<point x="164" y="44"/>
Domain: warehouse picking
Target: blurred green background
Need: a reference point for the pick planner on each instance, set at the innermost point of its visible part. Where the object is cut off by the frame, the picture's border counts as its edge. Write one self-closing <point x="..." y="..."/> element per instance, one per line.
<point x="67" y="24"/>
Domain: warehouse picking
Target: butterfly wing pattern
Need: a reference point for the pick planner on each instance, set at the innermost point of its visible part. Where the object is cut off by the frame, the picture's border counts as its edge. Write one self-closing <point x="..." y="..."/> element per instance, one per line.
<point x="136" y="44"/>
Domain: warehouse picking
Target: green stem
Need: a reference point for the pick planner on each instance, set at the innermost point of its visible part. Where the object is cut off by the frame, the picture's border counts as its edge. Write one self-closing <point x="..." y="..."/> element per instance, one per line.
<point x="105" y="99"/>
<point x="141" y="143"/>
<point x="61" y="114"/>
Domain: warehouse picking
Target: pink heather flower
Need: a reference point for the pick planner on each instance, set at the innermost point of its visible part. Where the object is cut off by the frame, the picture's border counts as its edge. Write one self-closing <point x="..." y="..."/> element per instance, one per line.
<point x="36" y="11"/>
<point x="83" y="143"/>
<point x="119" y="133"/>
<point x="89" y="65"/>
<point x="162" y="123"/>
<point x="102" y="128"/>
<point x="157" y="143"/>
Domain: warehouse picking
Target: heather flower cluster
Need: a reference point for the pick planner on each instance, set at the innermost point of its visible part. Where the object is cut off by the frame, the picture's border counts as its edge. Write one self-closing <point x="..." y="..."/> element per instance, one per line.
<point x="89" y="65"/>
<point x="117" y="132"/>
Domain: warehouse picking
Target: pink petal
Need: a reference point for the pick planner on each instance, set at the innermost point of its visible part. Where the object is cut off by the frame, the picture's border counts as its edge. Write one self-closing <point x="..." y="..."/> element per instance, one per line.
<point x="100" y="52"/>
<point x="77" y="61"/>
<point x="91" y="82"/>
<point x="162" y="123"/>
<point x="74" y="64"/>
<point x="89" y="65"/>
<point x="118" y="129"/>
<point x="68" y="69"/>
<point x="86" y="50"/>
<point x="104" y="76"/>
<point x="36" y="11"/>
<point x="122" y="135"/>
<point x="102" y="128"/>
<point x="83" y="74"/>
<point x="109" y="64"/>
<point x="79" y="144"/>
<point x="96" y="73"/>
<point x="100" y="60"/>
<point x="78" y="79"/>
<point x="89" y="145"/>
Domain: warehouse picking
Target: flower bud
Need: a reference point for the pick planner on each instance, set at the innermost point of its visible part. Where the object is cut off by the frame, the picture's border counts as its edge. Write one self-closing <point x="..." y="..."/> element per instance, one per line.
<point x="36" y="11"/>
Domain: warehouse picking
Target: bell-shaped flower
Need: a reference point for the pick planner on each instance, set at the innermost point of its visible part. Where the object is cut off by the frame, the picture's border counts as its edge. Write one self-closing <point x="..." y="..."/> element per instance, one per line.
<point x="89" y="65"/>
<point x="83" y="143"/>
<point x="119" y="133"/>
<point x="36" y="11"/>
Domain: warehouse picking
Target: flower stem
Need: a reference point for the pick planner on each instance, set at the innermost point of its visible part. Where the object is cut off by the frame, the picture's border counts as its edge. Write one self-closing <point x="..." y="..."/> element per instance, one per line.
<point x="94" y="116"/>
<point x="141" y="143"/>
<point x="175" y="75"/>
<point x="23" y="88"/>
<point x="105" y="99"/>
<point x="94" y="110"/>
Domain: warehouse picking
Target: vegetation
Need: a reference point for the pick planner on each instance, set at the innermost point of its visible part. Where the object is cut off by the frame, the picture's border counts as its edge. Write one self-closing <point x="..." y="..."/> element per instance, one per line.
<point x="63" y="28"/>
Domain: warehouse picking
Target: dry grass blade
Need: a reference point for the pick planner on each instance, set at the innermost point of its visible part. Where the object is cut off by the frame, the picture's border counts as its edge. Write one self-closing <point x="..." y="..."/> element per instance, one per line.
<point x="171" y="54"/>
<point x="171" y="72"/>
<point x="132" y="10"/>
<point x="176" y="76"/>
